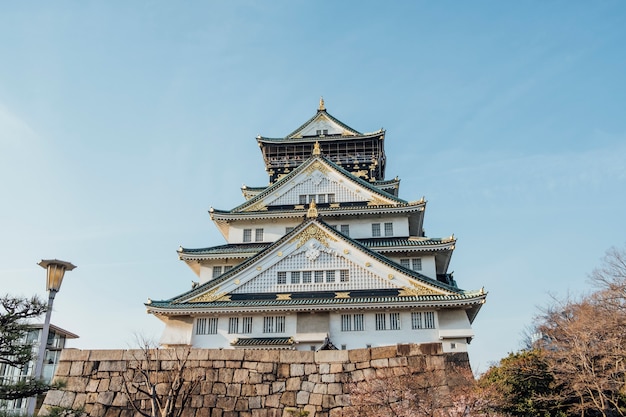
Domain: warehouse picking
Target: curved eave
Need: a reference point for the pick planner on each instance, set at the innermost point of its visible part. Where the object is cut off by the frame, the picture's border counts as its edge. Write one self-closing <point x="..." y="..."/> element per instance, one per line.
<point x="312" y="139"/>
<point x="322" y="159"/>
<point x="220" y="252"/>
<point x="224" y="215"/>
<point x="324" y="113"/>
<point x="469" y="302"/>
<point x="413" y="244"/>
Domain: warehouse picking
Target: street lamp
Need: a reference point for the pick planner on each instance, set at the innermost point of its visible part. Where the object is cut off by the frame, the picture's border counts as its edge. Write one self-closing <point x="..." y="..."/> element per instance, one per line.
<point x="54" y="277"/>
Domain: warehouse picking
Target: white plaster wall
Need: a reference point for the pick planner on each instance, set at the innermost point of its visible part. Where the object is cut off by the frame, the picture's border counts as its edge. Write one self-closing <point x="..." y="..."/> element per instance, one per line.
<point x="429" y="268"/>
<point x="373" y="337"/>
<point x="177" y="331"/>
<point x="448" y="320"/>
<point x="360" y="227"/>
<point x="223" y="339"/>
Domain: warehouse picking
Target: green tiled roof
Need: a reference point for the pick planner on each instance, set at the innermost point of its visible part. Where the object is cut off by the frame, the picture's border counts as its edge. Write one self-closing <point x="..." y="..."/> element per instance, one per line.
<point x="325" y="113"/>
<point x="263" y="341"/>
<point x="461" y="298"/>
<point x="373" y="243"/>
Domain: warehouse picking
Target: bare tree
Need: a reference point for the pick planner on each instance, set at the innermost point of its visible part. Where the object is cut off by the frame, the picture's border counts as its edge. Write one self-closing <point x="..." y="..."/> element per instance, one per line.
<point x="157" y="381"/>
<point x="583" y="341"/>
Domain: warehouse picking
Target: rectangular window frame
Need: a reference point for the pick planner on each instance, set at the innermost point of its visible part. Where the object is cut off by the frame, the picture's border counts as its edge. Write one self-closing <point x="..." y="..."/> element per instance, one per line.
<point x="375" y="229"/>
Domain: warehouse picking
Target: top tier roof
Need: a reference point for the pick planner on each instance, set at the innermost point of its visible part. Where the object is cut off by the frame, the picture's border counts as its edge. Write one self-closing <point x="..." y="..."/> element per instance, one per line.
<point x="321" y="124"/>
<point x="355" y="151"/>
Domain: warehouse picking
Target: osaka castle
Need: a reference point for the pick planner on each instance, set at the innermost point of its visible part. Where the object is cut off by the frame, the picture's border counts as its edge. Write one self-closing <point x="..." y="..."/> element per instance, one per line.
<point x="326" y="256"/>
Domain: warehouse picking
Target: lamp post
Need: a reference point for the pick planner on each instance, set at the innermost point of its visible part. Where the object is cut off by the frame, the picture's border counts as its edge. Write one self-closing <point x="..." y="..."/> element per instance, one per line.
<point x="54" y="277"/>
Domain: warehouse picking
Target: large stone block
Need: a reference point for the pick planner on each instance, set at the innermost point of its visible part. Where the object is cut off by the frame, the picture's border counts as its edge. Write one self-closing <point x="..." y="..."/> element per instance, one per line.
<point x="302" y="397"/>
<point x="296" y="356"/>
<point x="225" y="375"/>
<point x="73" y="355"/>
<point x="226" y="354"/>
<point x="265" y="367"/>
<point x="64" y="368"/>
<point x="383" y="352"/>
<point x="261" y="355"/>
<point x="241" y="376"/>
<point x="233" y="390"/>
<point x="315" y="399"/>
<point x="359" y="355"/>
<point x="288" y="398"/>
<point x="198" y="354"/>
<point x="112" y="366"/>
<point x="242" y="404"/>
<point x="283" y="370"/>
<point x="431" y="348"/>
<point x="328" y="356"/>
<point x="255" y="402"/>
<point x="379" y="363"/>
<point x="106" y="355"/>
<point x="76" y="384"/>
<point x="293" y="384"/>
<point x="296" y="369"/>
<point x="273" y="400"/>
<point x="226" y="403"/>
<point x="278" y="386"/>
<point x="105" y="397"/>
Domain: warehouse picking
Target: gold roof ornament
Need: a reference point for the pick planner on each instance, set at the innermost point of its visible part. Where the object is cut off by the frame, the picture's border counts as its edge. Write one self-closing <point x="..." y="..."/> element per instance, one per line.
<point x="316" y="149"/>
<point x="321" y="107"/>
<point x="312" y="211"/>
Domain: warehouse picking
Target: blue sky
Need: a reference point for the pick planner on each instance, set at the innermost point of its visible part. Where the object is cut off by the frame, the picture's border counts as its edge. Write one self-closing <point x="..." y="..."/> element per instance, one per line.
<point x="121" y="123"/>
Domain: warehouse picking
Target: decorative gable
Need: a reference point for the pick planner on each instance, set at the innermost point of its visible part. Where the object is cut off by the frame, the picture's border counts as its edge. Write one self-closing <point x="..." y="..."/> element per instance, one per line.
<point x="315" y="259"/>
<point x="316" y="179"/>
<point x="323" y="125"/>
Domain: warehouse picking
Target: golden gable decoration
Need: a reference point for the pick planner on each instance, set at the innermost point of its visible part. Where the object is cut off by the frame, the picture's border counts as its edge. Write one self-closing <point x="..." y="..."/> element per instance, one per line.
<point x="209" y="296"/>
<point x="312" y="232"/>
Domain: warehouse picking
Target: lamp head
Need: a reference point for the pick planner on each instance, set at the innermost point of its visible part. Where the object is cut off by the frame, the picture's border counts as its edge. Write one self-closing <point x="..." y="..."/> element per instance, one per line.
<point x="56" y="269"/>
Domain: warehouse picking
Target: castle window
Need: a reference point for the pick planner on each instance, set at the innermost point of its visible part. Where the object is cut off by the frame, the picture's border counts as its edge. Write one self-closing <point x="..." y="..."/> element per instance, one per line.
<point x="416" y="320"/>
<point x="201" y="326"/>
<point x="415" y="263"/>
<point x="306" y="277"/>
<point x="376" y="229"/>
<point x="247" y="325"/>
<point x="394" y="321"/>
<point x="247" y="235"/>
<point x="424" y="320"/>
<point x="381" y="321"/>
<point x="227" y="268"/>
<point x="295" y="277"/>
<point x="331" y="198"/>
<point x="217" y="271"/>
<point x="233" y="325"/>
<point x="321" y="198"/>
<point x="274" y="324"/>
<point x="258" y="235"/>
<point x="281" y="277"/>
<point x="206" y="325"/>
<point x="344" y="275"/>
<point x="330" y="276"/>
<point x="345" y="229"/>
<point x="319" y="276"/>
<point x="302" y="199"/>
<point x="352" y="322"/>
<point x="388" y="229"/>
<point x="429" y="320"/>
